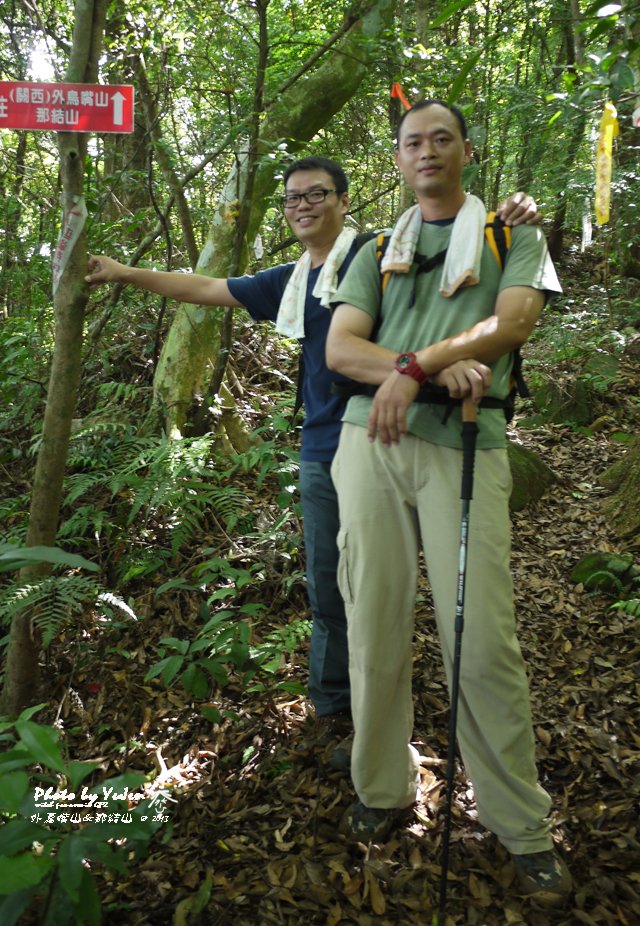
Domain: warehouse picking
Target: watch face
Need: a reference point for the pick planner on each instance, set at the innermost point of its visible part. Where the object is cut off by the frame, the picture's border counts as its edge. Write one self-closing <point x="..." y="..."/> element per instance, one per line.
<point x="403" y="361"/>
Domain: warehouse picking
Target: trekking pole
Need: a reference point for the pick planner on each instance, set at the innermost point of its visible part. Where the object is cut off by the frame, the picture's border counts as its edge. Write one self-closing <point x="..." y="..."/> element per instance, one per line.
<point x="469" y="433"/>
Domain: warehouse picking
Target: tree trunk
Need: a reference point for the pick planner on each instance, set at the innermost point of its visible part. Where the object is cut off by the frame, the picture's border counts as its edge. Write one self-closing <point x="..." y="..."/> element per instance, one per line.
<point x="21" y="680"/>
<point x="165" y="161"/>
<point x="573" y="47"/>
<point x="623" y="478"/>
<point x="12" y="214"/>
<point x="193" y="343"/>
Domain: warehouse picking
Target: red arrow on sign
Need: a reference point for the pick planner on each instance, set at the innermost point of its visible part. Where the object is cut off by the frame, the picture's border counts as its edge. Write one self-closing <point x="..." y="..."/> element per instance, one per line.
<point x="66" y="107"/>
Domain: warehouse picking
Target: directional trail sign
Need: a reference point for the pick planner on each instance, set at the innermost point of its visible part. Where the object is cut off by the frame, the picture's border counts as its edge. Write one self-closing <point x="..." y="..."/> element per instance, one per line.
<point x="66" y="107"/>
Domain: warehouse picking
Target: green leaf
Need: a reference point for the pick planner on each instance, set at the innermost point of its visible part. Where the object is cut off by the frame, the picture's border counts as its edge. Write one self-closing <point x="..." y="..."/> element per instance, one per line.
<point x="167" y="667"/>
<point x="13" y="790"/>
<point x="180" y="645"/>
<point x="28" y="712"/>
<point x="17" y="835"/>
<point x="42" y="744"/>
<point x="70" y="855"/>
<point x="195" y="903"/>
<point x="294" y="687"/>
<point x="457" y="86"/>
<point x="450" y="11"/>
<point x="78" y="771"/>
<point x="14" y="557"/>
<point x="195" y="681"/>
<point x="17" y="757"/>
<point x="171" y="668"/>
<point x="13" y="906"/>
<point x="175" y="583"/>
<point x="90" y="899"/>
<point x="23" y="871"/>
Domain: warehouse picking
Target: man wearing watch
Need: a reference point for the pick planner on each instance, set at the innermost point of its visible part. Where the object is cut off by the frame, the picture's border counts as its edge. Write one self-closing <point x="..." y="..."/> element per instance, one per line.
<point x="315" y="201"/>
<point x="397" y="474"/>
<point x="408" y="365"/>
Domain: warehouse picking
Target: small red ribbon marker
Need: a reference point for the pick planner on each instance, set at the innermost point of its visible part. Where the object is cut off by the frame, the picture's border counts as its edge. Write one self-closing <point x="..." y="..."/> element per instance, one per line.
<point x="398" y="93"/>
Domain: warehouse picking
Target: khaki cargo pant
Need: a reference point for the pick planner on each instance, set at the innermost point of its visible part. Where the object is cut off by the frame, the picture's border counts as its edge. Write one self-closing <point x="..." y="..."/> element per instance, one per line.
<point x="392" y="499"/>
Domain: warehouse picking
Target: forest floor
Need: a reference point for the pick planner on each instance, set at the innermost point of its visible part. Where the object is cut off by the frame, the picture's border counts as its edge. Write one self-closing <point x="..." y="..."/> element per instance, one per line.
<point x="253" y="837"/>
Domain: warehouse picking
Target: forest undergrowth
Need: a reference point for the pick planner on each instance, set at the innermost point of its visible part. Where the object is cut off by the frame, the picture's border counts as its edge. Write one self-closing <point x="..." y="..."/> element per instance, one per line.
<point x="252" y="834"/>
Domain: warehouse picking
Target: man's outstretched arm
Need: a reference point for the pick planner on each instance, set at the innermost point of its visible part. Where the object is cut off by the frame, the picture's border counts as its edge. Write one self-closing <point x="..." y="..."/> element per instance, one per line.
<point x="183" y="287"/>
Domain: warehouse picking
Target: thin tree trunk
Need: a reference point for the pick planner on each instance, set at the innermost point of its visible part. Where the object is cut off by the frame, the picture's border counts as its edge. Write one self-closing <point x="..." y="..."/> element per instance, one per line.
<point x="21" y="681"/>
<point x="164" y="160"/>
<point x="574" y="51"/>
<point x="12" y="216"/>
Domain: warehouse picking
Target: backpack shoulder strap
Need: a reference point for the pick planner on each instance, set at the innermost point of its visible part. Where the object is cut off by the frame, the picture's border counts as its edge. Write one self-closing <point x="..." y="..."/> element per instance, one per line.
<point x="360" y="239"/>
<point x="382" y="242"/>
<point x="498" y="237"/>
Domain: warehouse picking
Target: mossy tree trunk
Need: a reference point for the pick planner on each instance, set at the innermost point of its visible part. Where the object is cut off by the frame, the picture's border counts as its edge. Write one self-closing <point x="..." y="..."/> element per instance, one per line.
<point x="192" y="348"/>
<point x="623" y="478"/>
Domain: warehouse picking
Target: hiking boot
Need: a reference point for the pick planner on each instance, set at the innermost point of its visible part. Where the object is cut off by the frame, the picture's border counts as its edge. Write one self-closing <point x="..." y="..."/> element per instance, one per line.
<point x="322" y="735"/>
<point x="332" y="728"/>
<point x="373" y="824"/>
<point x="340" y="758"/>
<point x="544" y="877"/>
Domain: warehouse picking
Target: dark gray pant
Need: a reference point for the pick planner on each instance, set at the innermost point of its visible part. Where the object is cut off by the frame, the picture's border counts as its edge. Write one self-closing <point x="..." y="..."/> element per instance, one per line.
<point x="328" y="659"/>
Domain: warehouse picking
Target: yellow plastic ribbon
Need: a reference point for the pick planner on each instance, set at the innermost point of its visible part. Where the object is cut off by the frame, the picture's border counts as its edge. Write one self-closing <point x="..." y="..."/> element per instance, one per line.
<point x="608" y="131"/>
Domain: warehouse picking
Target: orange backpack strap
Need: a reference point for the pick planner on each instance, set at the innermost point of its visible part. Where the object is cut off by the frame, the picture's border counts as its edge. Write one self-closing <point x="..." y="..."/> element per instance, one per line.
<point x="498" y="236"/>
<point x="382" y="241"/>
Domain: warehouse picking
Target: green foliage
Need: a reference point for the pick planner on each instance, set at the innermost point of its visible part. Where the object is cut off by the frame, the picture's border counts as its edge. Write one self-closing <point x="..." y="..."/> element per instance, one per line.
<point x="57" y="833"/>
<point x="14" y="557"/>
<point x="223" y="648"/>
<point x="169" y="489"/>
<point x="52" y="602"/>
<point x="580" y="338"/>
<point x="614" y="575"/>
<point x="631" y="607"/>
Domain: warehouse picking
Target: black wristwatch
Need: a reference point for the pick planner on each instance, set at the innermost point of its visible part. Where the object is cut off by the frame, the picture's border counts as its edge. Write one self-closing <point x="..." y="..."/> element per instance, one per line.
<point x="407" y="364"/>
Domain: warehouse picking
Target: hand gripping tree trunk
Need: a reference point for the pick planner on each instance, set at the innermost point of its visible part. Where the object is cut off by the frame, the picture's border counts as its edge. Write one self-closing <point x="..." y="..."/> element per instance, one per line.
<point x="193" y="344"/>
<point x="21" y="681"/>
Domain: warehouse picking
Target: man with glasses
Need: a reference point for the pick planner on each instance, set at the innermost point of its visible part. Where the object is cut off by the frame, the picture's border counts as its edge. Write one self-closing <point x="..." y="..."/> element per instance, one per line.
<point x="296" y="297"/>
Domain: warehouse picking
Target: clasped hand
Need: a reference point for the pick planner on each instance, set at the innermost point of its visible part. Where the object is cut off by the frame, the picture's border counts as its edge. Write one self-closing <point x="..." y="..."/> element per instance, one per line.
<point x="394" y="397"/>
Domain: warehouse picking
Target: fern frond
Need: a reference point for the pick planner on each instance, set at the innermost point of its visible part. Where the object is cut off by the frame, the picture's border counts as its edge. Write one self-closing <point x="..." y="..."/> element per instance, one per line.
<point x="86" y="520"/>
<point x="14" y="517"/>
<point x="630" y="607"/>
<point x="51" y="602"/>
<point x="109" y="598"/>
<point x="78" y="484"/>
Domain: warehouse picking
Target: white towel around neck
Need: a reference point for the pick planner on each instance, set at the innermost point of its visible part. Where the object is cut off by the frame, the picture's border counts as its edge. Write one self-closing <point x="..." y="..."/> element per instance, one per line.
<point x="290" y="318"/>
<point x="464" y="254"/>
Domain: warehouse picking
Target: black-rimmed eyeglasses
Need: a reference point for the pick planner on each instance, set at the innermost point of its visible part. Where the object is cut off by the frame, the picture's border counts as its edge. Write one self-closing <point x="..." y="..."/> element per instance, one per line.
<point x="291" y="200"/>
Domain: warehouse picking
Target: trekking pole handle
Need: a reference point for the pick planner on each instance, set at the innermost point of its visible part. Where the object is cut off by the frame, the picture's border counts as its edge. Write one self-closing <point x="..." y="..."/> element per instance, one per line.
<point x="469" y="409"/>
<point x="469" y="432"/>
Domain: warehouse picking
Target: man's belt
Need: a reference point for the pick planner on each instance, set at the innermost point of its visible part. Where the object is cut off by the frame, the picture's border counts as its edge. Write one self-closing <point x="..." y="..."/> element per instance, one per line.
<point x="427" y="393"/>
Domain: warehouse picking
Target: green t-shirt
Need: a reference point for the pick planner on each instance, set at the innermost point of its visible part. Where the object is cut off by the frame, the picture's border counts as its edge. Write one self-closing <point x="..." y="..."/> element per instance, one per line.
<point x="431" y="318"/>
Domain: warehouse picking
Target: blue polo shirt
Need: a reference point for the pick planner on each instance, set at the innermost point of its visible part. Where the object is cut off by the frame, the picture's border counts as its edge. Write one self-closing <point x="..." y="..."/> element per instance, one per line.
<point x="260" y="294"/>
